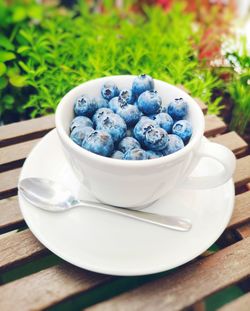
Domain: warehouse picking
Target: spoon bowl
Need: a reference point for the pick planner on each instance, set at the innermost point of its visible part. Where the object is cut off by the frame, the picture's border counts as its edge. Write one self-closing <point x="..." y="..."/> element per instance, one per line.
<point x="54" y="197"/>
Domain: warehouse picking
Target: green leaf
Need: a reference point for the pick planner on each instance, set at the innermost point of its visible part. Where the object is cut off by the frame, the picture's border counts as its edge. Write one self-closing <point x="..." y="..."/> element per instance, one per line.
<point x="6" y="56"/>
<point x="6" y="43"/>
<point x="24" y="66"/>
<point x="2" y="69"/>
<point x="3" y="82"/>
<point x="18" y="81"/>
<point x="19" y="14"/>
<point x="22" y="49"/>
<point x="35" y="12"/>
<point x="12" y="71"/>
<point x="8" y="101"/>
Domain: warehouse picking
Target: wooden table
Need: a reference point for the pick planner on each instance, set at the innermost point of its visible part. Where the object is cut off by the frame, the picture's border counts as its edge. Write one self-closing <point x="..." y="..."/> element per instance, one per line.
<point x="31" y="278"/>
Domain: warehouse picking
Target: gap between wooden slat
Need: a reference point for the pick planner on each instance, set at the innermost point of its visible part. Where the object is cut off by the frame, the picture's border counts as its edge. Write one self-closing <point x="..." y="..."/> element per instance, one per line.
<point x="10" y="214"/>
<point x="240" y="304"/>
<point x="48" y="287"/>
<point x="19" y="247"/>
<point x="25" y="130"/>
<point x="189" y="284"/>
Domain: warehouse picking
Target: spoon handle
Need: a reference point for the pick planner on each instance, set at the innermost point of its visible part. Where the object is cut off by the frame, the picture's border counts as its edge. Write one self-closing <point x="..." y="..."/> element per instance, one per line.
<point x="170" y="222"/>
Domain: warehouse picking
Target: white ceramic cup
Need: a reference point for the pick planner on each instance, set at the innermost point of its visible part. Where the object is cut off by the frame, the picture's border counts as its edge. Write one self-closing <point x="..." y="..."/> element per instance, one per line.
<point x="135" y="184"/>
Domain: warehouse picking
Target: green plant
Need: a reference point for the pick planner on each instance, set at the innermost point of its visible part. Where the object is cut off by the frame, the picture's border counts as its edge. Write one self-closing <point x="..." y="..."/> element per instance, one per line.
<point x="61" y="49"/>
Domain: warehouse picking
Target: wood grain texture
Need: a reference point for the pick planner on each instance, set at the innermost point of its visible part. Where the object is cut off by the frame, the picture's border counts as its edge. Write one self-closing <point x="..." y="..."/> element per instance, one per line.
<point x="8" y="183"/>
<point x="242" y="172"/>
<point x="189" y="284"/>
<point x="241" y="213"/>
<point x="244" y="231"/>
<point x="232" y="141"/>
<point x="214" y="125"/>
<point x="19" y="247"/>
<point x="14" y="153"/>
<point x="48" y="287"/>
<point x="10" y="214"/>
<point x="25" y="130"/>
<point x="240" y="304"/>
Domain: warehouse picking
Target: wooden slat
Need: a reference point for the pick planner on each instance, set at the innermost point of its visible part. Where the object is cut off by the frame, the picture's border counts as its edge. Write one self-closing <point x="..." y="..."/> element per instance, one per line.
<point x="189" y="284"/>
<point x="201" y="104"/>
<point x="244" y="231"/>
<point x="48" y="287"/>
<point x="240" y="304"/>
<point x="10" y="214"/>
<point x="242" y="172"/>
<point x="30" y="129"/>
<point x="241" y="212"/>
<point x="232" y="141"/>
<point x="214" y="125"/>
<point x="18" y="248"/>
<point x="8" y="182"/>
<point x="13" y="155"/>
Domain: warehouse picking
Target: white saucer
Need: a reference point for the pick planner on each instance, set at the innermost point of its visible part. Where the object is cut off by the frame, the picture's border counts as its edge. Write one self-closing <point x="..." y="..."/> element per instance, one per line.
<point x="112" y="244"/>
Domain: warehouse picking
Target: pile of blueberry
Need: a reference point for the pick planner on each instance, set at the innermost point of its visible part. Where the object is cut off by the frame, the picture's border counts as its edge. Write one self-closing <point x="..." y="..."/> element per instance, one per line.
<point x="130" y="124"/>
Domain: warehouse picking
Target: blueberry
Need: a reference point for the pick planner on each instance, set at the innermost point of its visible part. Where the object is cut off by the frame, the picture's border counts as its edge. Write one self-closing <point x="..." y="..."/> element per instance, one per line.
<point x="84" y="106"/>
<point x="117" y="154"/>
<point x="141" y="84"/>
<point x="129" y="113"/>
<point x="149" y="102"/>
<point x="128" y="143"/>
<point x="164" y="121"/>
<point x="101" y="102"/>
<point x="183" y="129"/>
<point x="175" y="143"/>
<point x="80" y="133"/>
<point x="178" y="109"/>
<point x="114" y="125"/>
<point x="154" y="154"/>
<point x="80" y="121"/>
<point x="115" y="103"/>
<point x="109" y="90"/>
<point x="135" y="154"/>
<point x="144" y="125"/>
<point x="127" y="96"/>
<point x="99" y="142"/>
<point x="100" y="113"/>
<point x="156" y="139"/>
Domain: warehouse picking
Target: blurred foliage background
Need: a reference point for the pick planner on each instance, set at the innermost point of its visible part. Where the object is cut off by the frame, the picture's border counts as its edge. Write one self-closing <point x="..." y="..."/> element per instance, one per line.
<point x="48" y="48"/>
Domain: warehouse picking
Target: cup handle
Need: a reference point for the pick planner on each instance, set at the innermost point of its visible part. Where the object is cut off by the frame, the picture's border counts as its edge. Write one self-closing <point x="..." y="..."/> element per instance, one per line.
<point x="220" y="154"/>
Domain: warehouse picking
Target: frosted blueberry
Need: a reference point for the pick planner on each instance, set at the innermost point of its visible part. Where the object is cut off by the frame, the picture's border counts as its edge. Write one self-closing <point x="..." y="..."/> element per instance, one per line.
<point x="141" y="84"/>
<point x="114" y="125"/>
<point x="117" y="154"/>
<point x="84" y="106"/>
<point x="128" y="143"/>
<point x="129" y="113"/>
<point x="80" y="121"/>
<point x="135" y="154"/>
<point x="109" y="90"/>
<point x="99" y="142"/>
<point x="100" y="113"/>
<point x="156" y="139"/>
<point x="80" y="133"/>
<point x="149" y="102"/>
<point x="183" y="129"/>
<point x="178" y="109"/>
<point x="164" y="120"/>
<point x="127" y="96"/>
<point x="154" y="154"/>
<point x="175" y="143"/>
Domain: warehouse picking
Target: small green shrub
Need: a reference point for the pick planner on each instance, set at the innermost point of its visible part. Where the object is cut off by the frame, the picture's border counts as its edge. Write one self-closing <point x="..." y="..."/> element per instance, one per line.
<point x="53" y="50"/>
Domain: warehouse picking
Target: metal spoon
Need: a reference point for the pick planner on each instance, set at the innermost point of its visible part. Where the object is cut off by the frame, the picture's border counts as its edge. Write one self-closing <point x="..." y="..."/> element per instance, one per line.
<point x="54" y="197"/>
